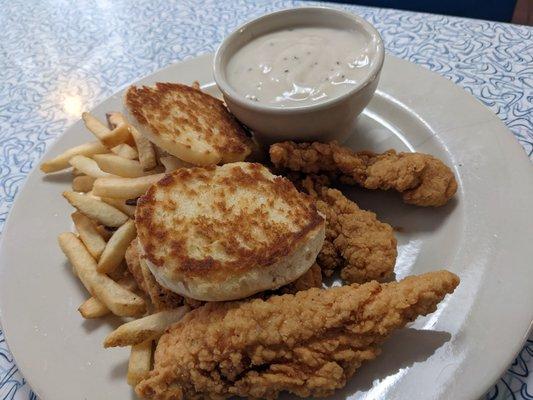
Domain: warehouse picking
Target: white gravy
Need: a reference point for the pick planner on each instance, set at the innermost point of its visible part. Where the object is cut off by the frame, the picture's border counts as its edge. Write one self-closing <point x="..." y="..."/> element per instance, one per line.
<point x="301" y="66"/>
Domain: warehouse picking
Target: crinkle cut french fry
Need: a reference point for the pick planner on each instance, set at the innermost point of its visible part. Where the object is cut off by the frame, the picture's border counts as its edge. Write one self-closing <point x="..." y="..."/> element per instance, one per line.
<point x="109" y="138"/>
<point x="88" y="167"/>
<point x="115" y="248"/>
<point x="89" y="235"/>
<point x="61" y="161"/>
<point x="120" y="301"/>
<point x="94" y="308"/>
<point x="96" y="209"/>
<point x="124" y="188"/>
<point x="146" y="328"/>
<point x="120" y="204"/>
<point x="126" y="151"/>
<point x="83" y="183"/>
<point x="140" y="362"/>
<point x="119" y="166"/>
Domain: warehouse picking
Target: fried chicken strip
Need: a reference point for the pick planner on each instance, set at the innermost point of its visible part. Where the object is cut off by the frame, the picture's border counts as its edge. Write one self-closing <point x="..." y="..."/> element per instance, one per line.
<point x="422" y="179"/>
<point x="308" y="344"/>
<point x="356" y="242"/>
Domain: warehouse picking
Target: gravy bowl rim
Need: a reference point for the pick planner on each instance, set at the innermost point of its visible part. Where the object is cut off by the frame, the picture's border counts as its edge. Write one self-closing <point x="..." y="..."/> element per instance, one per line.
<point x="241" y="100"/>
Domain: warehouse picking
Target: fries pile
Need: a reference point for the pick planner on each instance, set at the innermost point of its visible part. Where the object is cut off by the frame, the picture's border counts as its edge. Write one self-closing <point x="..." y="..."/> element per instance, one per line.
<point x="109" y="175"/>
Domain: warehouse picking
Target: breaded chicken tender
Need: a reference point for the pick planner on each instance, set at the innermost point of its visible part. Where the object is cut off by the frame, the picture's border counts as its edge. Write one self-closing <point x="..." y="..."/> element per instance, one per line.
<point x="422" y="179"/>
<point x="307" y="344"/>
<point x="356" y="241"/>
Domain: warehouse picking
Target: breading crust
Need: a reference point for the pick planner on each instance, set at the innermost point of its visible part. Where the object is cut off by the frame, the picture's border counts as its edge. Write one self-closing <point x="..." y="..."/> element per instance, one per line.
<point x="308" y="344"/>
<point x="422" y="179"/>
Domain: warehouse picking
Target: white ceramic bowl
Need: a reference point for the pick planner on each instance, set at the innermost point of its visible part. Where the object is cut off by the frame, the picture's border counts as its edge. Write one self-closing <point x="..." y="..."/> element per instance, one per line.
<point x="332" y="119"/>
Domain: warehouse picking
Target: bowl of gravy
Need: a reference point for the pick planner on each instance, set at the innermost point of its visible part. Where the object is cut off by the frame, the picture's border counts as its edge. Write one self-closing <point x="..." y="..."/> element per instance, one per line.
<point x="301" y="74"/>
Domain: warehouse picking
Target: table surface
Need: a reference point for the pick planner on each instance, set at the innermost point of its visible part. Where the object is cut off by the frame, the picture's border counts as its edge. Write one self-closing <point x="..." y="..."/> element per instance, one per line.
<point x="58" y="58"/>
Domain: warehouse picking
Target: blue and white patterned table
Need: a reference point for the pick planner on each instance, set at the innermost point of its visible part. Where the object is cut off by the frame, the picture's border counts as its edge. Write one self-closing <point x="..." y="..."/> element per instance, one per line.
<point x="59" y="57"/>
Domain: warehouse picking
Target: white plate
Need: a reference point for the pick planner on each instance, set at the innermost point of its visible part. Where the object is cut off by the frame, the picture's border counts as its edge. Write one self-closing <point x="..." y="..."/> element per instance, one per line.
<point x="484" y="236"/>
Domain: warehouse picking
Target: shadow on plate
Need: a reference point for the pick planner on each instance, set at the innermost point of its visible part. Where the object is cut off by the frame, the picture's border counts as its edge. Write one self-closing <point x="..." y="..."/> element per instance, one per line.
<point x="390" y="208"/>
<point x="120" y="370"/>
<point x="91" y="324"/>
<point x="119" y="373"/>
<point x="335" y="279"/>
<point x="403" y="349"/>
<point x="64" y="177"/>
<point x="110" y="320"/>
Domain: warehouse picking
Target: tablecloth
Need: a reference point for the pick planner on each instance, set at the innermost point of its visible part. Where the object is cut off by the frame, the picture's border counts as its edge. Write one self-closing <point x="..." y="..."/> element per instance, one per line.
<point x="60" y="57"/>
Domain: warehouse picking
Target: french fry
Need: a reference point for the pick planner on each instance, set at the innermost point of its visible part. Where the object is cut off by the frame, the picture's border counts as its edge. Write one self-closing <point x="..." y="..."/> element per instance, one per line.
<point x="146" y="150"/>
<point x="104" y="232"/>
<point x="90" y="237"/>
<point x="143" y="329"/>
<point x="95" y="126"/>
<point x="119" y="166"/>
<point x="115" y="248"/>
<point x="83" y="183"/>
<point x="115" y="119"/>
<point x="120" y="204"/>
<point x="172" y="163"/>
<point x="159" y="152"/>
<point x="119" y="271"/>
<point x="94" y="308"/>
<point x="61" y="161"/>
<point x="140" y="362"/>
<point x="124" y="188"/>
<point x="96" y="209"/>
<point x="76" y="172"/>
<point x="126" y="151"/>
<point x="120" y="301"/>
<point x="109" y="138"/>
<point x="128" y="282"/>
<point x="92" y="195"/>
<point x="88" y="167"/>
